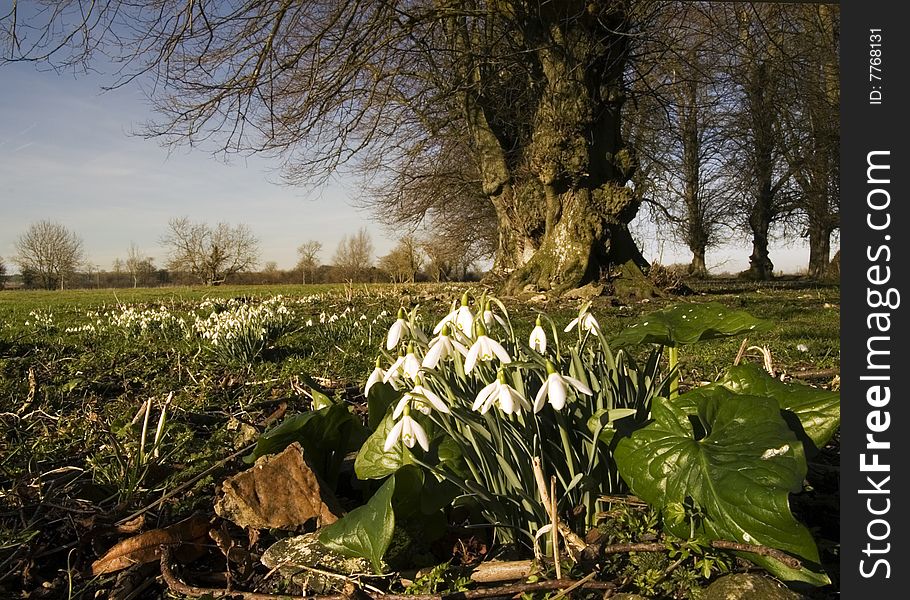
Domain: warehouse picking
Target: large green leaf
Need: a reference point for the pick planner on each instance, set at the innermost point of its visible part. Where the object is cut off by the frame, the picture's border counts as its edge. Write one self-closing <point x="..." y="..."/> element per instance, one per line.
<point x="813" y="413"/>
<point x="366" y="531"/>
<point x="327" y="435"/>
<point x="373" y="462"/>
<point x="738" y="461"/>
<point x="687" y="324"/>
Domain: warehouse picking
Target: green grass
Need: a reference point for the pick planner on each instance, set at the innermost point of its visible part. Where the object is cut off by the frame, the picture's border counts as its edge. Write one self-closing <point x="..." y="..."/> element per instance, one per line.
<point x="68" y="398"/>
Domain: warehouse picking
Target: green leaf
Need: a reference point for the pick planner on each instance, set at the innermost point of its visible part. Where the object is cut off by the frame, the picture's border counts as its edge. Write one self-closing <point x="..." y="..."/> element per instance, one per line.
<point x="382" y="396"/>
<point x="326" y="436"/>
<point x="366" y="531"/>
<point x="320" y="400"/>
<point x="817" y="410"/>
<point x="739" y="474"/>
<point x="373" y="462"/>
<point x="689" y="323"/>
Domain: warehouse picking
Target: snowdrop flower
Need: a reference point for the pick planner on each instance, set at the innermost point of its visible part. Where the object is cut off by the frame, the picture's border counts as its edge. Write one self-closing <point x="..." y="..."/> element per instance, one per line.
<point x="397" y="331"/>
<point x="585" y="320"/>
<point x="375" y="377"/>
<point x="538" y="339"/>
<point x="500" y="393"/>
<point x="442" y="348"/>
<point x="404" y="366"/>
<point x="461" y="318"/>
<point x="554" y="389"/>
<point x="484" y="349"/>
<point x="489" y="317"/>
<point x="422" y="399"/>
<point x="408" y="431"/>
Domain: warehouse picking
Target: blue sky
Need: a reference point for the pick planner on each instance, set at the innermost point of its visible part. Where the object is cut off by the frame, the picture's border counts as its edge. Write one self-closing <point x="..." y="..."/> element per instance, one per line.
<point x="68" y="153"/>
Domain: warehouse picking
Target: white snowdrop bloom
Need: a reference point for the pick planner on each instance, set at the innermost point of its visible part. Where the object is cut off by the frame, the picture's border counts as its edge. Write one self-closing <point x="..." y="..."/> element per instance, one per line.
<point x="408" y="431"/>
<point x="441" y="348"/>
<point x="499" y="393"/>
<point x="397" y="331"/>
<point x="585" y="320"/>
<point x="489" y="317"/>
<point x="555" y="388"/>
<point x="538" y="339"/>
<point x="405" y="366"/>
<point x="461" y="318"/>
<point x="802" y="347"/>
<point x="375" y="377"/>
<point x="484" y="349"/>
<point x="422" y="399"/>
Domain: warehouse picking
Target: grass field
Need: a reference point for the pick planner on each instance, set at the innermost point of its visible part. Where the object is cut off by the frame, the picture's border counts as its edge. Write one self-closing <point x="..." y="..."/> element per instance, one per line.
<point x="76" y="367"/>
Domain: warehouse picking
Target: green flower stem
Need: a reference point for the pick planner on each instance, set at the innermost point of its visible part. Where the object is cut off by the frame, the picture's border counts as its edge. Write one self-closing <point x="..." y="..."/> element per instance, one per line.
<point x="674" y="361"/>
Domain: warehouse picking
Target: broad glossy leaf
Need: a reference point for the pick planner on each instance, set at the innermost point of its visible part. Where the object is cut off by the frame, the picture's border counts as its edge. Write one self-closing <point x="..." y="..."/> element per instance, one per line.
<point x="814" y="414"/>
<point x="382" y="396"/>
<point x="326" y="435"/>
<point x="373" y="462"/>
<point x="740" y="474"/>
<point x="366" y="531"/>
<point x="689" y="323"/>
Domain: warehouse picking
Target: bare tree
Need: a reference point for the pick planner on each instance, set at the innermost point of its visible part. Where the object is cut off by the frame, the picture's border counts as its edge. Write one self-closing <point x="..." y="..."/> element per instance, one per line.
<point x="404" y="261"/>
<point x="210" y="255"/>
<point x="529" y="94"/>
<point x="811" y="132"/>
<point x="50" y="251"/>
<point x="678" y="128"/>
<point x="138" y="265"/>
<point x="309" y="258"/>
<point x="354" y="256"/>
<point x="2" y="272"/>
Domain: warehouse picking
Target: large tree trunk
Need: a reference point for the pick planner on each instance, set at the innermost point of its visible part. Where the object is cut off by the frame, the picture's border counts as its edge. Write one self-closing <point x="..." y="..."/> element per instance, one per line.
<point x="577" y="158"/>
<point x="697" y="267"/>
<point x="760" y="266"/>
<point x="819" y="252"/>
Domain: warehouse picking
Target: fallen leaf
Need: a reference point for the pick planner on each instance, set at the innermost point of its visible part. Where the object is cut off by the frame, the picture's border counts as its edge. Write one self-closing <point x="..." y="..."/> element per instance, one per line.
<point x="144" y="548"/>
<point x="279" y="491"/>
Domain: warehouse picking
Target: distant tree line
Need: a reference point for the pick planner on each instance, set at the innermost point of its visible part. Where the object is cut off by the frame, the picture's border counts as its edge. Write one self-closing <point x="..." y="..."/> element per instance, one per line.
<point x="50" y="256"/>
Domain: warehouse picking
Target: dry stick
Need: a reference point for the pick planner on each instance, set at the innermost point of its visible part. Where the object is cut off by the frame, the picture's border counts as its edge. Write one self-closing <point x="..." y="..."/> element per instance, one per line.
<point x="494" y="592"/>
<point x="788" y="560"/>
<point x="742" y="351"/>
<point x="183" y="486"/>
<point x="574" y="543"/>
<point x="554" y="518"/>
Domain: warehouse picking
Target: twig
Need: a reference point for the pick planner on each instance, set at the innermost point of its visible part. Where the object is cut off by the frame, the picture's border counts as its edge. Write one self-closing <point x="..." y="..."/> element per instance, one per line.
<point x="554" y="518"/>
<point x="793" y="563"/>
<point x="505" y="591"/>
<point x="742" y="351"/>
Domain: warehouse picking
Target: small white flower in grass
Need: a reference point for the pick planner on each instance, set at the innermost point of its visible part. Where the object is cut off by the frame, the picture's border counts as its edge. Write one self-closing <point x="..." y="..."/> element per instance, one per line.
<point x="484" y="349"/>
<point x="461" y="318"/>
<point x="538" y="339"/>
<point x="397" y="331"/>
<point x="508" y="399"/>
<point x="585" y="320"/>
<point x="408" y="431"/>
<point x="376" y="376"/>
<point x="555" y="388"/>
<point x="442" y="348"/>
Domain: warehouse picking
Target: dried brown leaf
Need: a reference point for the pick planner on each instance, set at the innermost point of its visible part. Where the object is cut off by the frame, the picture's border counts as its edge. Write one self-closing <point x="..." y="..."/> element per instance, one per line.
<point x="145" y="547"/>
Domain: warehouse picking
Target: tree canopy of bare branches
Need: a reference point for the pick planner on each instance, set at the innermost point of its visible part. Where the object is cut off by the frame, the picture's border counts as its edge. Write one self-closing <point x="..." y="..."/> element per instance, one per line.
<point x="309" y="258"/>
<point x="50" y="252"/>
<point x="499" y="123"/>
<point x="210" y="254"/>
<point x="354" y="256"/>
